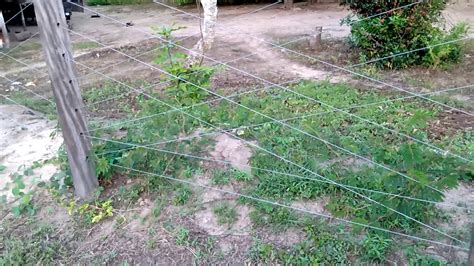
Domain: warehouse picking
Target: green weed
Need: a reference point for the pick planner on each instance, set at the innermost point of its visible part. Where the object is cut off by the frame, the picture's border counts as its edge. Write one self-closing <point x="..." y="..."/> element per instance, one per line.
<point x="32" y="102"/>
<point x="39" y="246"/>
<point x="182" y="195"/>
<point x="226" y="214"/>
<point x="85" y="45"/>
<point x="376" y="246"/>
<point x="220" y="177"/>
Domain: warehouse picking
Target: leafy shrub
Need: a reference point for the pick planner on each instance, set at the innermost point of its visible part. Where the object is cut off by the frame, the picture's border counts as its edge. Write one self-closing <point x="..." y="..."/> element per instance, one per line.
<point x="186" y="81"/>
<point x="402" y="30"/>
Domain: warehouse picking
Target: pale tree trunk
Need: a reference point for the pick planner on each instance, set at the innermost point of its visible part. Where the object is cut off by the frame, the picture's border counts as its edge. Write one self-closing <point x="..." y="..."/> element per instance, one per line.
<point x="208" y="31"/>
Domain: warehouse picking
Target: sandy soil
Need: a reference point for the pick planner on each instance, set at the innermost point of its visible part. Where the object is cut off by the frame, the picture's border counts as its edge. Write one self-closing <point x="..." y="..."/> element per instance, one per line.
<point x="24" y="138"/>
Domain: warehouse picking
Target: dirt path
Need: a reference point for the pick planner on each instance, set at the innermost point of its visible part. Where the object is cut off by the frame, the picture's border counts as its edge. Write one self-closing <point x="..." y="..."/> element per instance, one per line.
<point x="26" y="138"/>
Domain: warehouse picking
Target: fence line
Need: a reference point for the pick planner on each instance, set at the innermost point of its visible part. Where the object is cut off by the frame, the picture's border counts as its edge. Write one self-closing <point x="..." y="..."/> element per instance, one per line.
<point x="295" y="164"/>
<point x="193" y="72"/>
<point x="259" y="113"/>
<point x="19" y="12"/>
<point x="290" y="207"/>
<point x="148" y="147"/>
<point x="30" y="90"/>
<point x="259" y="124"/>
<point x="291" y="91"/>
<point x="306" y="56"/>
<point x="280" y="157"/>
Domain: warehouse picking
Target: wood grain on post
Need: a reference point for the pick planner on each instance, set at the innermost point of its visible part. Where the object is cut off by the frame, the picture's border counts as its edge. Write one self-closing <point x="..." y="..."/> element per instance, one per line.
<point x="59" y="59"/>
<point x="3" y="27"/>
<point x="315" y="38"/>
<point x="470" y="259"/>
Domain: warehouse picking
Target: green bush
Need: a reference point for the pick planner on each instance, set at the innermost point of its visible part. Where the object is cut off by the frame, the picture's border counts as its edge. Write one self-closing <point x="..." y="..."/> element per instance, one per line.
<point x="401" y="30"/>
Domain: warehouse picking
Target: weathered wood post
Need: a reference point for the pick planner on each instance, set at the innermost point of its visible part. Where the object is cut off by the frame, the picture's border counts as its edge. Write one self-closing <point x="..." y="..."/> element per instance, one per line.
<point x="62" y="73"/>
<point x="315" y="38"/>
<point x="470" y="260"/>
<point x="3" y="27"/>
<point x="288" y="4"/>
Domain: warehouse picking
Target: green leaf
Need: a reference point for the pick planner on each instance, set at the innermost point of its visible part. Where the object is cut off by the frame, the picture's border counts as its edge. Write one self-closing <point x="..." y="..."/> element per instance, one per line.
<point x="411" y="155"/>
<point x="2" y="168"/>
<point x="420" y="176"/>
<point x="16" y="211"/>
<point x="16" y="192"/>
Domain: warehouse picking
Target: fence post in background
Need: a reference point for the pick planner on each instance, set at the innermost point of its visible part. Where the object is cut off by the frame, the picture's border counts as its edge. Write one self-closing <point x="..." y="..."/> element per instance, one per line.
<point x="315" y="38"/>
<point x="470" y="260"/>
<point x="62" y="73"/>
<point x="3" y="27"/>
<point x="288" y="4"/>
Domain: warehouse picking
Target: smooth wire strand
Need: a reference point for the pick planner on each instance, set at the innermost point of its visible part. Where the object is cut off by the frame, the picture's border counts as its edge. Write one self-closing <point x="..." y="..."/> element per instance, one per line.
<point x="148" y="147"/>
<point x="282" y="158"/>
<point x="290" y="207"/>
<point x="266" y="123"/>
<point x="18" y="13"/>
<point x="193" y="72"/>
<point x="409" y="52"/>
<point x="259" y="113"/>
<point x="187" y="107"/>
<point x="31" y="91"/>
<point x="197" y="71"/>
<point x="20" y="44"/>
<point x="25" y="107"/>
<point x="442" y="151"/>
<point x="303" y="55"/>
<point x="273" y="119"/>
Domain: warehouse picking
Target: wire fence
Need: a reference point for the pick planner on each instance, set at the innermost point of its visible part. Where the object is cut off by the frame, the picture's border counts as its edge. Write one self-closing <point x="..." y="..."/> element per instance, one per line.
<point x="264" y="85"/>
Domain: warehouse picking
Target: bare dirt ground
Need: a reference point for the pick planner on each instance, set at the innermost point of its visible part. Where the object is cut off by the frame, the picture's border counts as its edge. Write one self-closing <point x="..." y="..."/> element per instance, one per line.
<point x="145" y="237"/>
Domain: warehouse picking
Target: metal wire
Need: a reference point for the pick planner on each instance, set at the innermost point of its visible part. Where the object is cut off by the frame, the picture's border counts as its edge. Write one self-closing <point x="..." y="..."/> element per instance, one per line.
<point x="289" y="207"/>
<point x="194" y="72"/>
<point x="306" y="56"/>
<point x="19" y="12"/>
<point x="302" y="95"/>
<point x="408" y="52"/>
<point x="148" y="147"/>
<point x="273" y="119"/>
<point x="266" y="123"/>
<point x="282" y="158"/>
<point x="33" y="92"/>
<point x="25" y="107"/>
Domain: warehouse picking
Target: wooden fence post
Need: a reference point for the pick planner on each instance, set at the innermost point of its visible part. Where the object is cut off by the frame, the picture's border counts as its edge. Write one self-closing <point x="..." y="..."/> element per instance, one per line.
<point x="288" y="4"/>
<point x="315" y="38"/>
<point x="470" y="259"/>
<point x="62" y="73"/>
<point x="3" y="27"/>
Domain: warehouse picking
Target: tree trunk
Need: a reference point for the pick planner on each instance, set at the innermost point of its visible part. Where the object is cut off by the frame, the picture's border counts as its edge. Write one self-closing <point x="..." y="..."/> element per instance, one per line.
<point x="208" y="32"/>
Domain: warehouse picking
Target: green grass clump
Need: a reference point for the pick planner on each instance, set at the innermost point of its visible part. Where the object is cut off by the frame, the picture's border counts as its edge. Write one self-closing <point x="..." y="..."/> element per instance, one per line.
<point x="226" y="214"/>
<point x="33" y="102"/>
<point x="85" y="45"/>
<point x="36" y="247"/>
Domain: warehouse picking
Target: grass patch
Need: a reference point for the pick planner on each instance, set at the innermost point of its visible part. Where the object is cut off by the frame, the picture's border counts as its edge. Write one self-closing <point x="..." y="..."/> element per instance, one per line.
<point x="226" y="214"/>
<point x="85" y="45"/>
<point x="32" y="102"/>
<point x="324" y="150"/>
<point x="35" y="247"/>
<point x="25" y="48"/>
